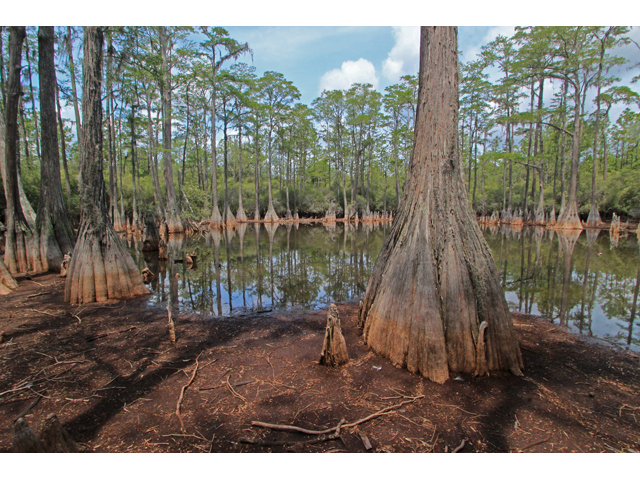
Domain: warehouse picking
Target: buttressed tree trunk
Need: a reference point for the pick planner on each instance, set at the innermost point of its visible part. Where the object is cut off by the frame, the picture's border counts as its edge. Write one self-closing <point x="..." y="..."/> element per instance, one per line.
<point x="19" y="248"/>
<point x="101" y="267"/>
<point x="53" y="227"/>
<point x="434" y="303"/>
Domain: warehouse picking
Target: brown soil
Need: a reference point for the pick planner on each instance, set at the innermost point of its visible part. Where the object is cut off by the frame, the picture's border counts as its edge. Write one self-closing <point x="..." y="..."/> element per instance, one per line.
<point x="111" y="374"/>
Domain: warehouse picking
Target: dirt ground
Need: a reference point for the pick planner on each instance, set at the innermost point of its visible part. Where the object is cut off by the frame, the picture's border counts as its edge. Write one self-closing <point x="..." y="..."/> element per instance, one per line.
<point x="114" y="379"/>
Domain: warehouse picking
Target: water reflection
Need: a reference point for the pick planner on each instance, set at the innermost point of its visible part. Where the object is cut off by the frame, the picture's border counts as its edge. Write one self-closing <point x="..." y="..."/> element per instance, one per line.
<point x="582" y="280"/>
<point x="579" y="280"/>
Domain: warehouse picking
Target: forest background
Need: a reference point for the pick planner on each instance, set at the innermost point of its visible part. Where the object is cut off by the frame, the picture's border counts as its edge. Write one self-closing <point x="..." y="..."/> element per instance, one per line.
<point x="348" y="149"/>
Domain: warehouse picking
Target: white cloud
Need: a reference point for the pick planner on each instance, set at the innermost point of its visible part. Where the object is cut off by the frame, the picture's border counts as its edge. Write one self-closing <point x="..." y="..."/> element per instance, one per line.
<point x="403" y="59"/>
<point x="471" y="52"/>
<point x="360" y="71"/>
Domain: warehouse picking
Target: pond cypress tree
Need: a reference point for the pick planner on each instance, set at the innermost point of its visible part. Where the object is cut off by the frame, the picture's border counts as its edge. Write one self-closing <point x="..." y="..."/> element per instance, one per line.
<point x="101" y="267"/>
<point x="434" y="303"/>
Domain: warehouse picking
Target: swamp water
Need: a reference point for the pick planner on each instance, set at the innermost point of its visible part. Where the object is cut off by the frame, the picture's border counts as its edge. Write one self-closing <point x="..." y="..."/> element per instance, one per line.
<point x="586" y="283"/>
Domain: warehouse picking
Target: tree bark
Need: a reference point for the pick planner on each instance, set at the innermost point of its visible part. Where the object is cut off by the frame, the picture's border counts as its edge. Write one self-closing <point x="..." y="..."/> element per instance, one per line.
<point x="568" y="218"/>
<point x="434" y="303"/>
<point x="63" y="146"/>
<point x="101" y="267"/>
<point x="72" y="75"/>
<point x="271" y="216"/>
<point x="19" y="248"/>
<point x="33" y="98"/>
<point x="174" y="222"/>
<point x="53" y="228"/>
<point x="241" y="217"/>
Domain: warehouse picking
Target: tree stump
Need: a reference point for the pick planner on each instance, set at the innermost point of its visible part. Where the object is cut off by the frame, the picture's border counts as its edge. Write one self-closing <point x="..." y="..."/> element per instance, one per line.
<point x="147" y="275"/>
<point x="162" y="250"/>
<point x="55" y="438"/>
<point x="151" y="237"/>
<point x="24" y="439"/>
<point x="64" y="266"/>
<point x="334" y="348"/>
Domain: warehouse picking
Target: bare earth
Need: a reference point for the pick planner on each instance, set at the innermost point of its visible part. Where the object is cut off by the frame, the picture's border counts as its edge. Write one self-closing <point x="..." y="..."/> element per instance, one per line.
<point x="114" y="379"/>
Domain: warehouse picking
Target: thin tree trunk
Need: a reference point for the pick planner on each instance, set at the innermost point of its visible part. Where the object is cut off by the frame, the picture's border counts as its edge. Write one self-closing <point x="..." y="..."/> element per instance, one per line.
<point x="174" y="222"/>
<point x="33" y="98"/>
<point x="240" y="216"/>
<point x="569" y="219"/>
<point x="63" y="145"/>
<point x="153" y="157"/>
<point x="72" y="77"/>
<point x="271" y="216"/>
<point x="256" y="214"/>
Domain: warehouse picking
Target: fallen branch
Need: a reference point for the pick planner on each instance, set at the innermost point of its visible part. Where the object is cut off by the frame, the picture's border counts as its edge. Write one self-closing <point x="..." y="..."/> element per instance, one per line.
<point x="37" y="294"/>
<point x="534" y="444"/>
<point x="318" y="439"/>
<point x="102" y="335"/>
<point x="293" y="428"/>
<point x="28" y="385"/>
<point x="44" y="313"/>
<point x="28" y="409"/>
<point x="193" y="375"/>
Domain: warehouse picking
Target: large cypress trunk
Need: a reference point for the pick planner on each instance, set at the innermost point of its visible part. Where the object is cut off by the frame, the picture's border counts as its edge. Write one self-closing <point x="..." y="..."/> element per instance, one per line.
<point x="434" y="303"/>
<point x="53" y="227"/>
<point x="101" y="267"/>
<point x="19" y="248"/>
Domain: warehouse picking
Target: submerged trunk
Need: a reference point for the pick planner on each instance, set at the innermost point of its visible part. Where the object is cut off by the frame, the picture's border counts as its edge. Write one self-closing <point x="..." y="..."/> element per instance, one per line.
<point x="434" y="303"/>
<point x="101" y="267"/>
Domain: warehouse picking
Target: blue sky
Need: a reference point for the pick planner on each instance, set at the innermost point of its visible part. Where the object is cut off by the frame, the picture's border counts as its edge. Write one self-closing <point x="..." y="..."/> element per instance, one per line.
<point x="317" y="58"/>
<point x="342" y="41"/>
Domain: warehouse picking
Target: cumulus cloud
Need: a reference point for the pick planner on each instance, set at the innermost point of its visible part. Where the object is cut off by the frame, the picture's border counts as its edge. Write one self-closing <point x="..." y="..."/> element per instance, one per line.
<point x="403" y="59"/>
<point x="360" y="71"/>
<point x="472" y="51"/>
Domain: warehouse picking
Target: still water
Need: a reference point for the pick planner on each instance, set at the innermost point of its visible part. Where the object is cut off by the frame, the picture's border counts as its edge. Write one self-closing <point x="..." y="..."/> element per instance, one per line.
<point x="585" y="283"/>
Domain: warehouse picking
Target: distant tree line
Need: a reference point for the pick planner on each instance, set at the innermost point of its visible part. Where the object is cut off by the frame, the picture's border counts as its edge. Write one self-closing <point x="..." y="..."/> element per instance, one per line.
<point x="192" y="132"/>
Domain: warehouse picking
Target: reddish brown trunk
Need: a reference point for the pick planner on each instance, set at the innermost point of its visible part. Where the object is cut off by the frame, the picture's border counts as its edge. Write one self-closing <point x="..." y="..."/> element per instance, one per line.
<point x="434" y="303"/>
<point x="53" y="227"/>
<point x="19" y="248"/>
<point x="101" y="267"/>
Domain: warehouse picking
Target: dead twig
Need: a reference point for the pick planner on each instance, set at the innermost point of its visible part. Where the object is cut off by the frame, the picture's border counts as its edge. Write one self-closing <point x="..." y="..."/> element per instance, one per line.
<point x="459" y="447"/>
<point x="102" y="335"/>
<point x="293" y="428"/>
<point x="24" y="387"/>
<point x="28" y="409"/>
<point x="45" y="313"/>
<point x="533" y="444"/>
<point x="179" y="403"/>
<point x="234" y="393"/>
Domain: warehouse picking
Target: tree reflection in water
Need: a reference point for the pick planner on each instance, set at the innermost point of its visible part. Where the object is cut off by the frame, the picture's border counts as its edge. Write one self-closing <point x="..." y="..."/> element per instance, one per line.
<point x="575" y="279"/>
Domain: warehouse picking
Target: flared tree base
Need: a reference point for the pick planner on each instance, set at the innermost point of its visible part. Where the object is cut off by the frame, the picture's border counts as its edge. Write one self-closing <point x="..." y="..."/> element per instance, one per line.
<point x="101" y="268"/>
<point x="241" y="217"/>
<point x="594" y="219"/>
<point x="271" y="216"/>
<point x="216" y="219"/>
